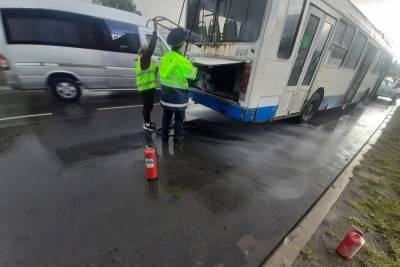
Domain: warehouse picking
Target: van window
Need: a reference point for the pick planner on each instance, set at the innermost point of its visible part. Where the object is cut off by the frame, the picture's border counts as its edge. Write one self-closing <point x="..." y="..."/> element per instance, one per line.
<point x="356" y="51"/>
<point x="292" y="25"/>
<point x="48" y="27"/>
<point x="121" y="37"/>
<point x="344" y="35"/>
<point x="160" y="49"/>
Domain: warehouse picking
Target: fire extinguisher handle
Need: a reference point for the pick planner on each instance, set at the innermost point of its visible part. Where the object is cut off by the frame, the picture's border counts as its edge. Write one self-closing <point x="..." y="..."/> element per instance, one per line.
<point x="357" y="231"/>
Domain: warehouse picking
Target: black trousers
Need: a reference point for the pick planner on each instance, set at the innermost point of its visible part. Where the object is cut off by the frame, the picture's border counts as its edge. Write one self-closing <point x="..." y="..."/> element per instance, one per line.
<point x="166" y="122"/>
<point x="148" y="102"/>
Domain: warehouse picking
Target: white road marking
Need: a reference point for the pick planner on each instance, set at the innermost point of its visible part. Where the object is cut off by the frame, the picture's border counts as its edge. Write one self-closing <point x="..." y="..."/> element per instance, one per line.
<point x="123" y="107"/>
<point x="26" y="116"/>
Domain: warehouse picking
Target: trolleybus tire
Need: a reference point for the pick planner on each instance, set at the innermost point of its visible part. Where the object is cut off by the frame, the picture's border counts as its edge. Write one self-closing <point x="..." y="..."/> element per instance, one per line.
<point x="310" y="108"/>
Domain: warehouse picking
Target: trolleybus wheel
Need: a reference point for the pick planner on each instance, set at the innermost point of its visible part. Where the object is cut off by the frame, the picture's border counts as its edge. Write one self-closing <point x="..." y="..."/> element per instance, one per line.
<point x="311" y="108"/>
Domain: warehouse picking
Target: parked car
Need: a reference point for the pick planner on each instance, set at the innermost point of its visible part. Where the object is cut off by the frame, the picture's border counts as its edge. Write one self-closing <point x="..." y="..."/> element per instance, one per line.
<point x="389" y="89"/>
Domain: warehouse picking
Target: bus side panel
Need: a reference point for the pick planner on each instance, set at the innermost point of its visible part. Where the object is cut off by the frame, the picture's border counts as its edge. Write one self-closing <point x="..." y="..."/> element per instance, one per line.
<point x="269" y="81"/>
<point x="270" y="74"/>
<point x="335" y="82"/>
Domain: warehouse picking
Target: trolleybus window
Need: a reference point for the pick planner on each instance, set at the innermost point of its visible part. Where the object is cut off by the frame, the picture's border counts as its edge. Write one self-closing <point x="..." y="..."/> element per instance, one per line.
<point x="226" y="20"/>
<point x="304" y="48"/>
<point x="356" y="51"/>
<point x="323" y="38"/>
<point x="48" y="27"/>
<point x="383" y="62"/>
<point x="292" y="25"/>
<point x="338" y="50"/>
<point x="378" y="61"/>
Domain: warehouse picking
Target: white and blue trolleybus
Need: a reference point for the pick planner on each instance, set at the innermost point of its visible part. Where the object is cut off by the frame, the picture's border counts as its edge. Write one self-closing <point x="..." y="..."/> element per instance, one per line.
<point x="263" y="60"/>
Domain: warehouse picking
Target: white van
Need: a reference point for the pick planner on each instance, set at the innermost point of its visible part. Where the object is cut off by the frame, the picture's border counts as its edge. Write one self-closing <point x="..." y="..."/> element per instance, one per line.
<point x="69" y="45"/>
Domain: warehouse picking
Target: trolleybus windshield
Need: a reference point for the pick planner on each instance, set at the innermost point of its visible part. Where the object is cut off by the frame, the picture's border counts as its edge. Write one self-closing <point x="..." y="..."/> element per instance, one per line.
<point x="226" y="20"/>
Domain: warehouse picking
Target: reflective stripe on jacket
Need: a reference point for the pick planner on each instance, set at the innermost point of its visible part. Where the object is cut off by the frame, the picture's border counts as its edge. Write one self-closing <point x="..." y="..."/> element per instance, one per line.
<point x="146" y="79"/>
<point x="173" y="98"/>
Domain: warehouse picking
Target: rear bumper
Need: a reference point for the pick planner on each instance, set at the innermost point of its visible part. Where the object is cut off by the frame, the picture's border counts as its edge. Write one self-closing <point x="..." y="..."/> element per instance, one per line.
<point x="232" y="110"/>
<point x="12" y="80"/>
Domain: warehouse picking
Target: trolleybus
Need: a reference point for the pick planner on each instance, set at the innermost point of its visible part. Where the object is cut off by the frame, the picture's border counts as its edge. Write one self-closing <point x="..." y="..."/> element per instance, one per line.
<point x="262" y="60"/>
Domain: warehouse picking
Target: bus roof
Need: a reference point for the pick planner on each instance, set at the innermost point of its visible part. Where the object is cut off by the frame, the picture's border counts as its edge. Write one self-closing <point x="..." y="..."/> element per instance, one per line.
<point x="79" y="8"/>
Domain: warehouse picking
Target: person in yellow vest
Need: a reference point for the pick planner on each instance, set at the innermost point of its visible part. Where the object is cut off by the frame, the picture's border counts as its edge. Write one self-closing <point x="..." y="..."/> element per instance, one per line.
<point x="175" y="70"/>
<point x="146" y="80"/>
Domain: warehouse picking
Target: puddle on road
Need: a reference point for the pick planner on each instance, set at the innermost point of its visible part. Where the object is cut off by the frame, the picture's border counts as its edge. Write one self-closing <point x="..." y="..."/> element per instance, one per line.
<point x="204" y="176"/>
<point x="208" y="130"/>
<point x="105" y="147"/>
<point x="9" y="138"/>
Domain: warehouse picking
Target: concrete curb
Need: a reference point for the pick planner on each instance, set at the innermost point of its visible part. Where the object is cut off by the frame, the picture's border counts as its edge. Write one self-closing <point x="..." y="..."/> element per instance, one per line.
<point x="289" y="249"/>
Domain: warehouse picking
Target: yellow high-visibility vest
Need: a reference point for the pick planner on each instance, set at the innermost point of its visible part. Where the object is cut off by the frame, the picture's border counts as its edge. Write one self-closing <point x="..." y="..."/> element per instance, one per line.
<point x="146" y="79"/>
<point x="175" y="70"/>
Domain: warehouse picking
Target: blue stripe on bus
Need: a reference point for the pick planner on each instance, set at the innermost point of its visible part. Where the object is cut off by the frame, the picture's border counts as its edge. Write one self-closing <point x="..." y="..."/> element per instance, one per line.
<point x="265" y="113"/>
<point x="234" y="111"/>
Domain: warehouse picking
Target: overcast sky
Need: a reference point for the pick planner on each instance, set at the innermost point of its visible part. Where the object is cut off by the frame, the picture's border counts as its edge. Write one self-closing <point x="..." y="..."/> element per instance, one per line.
<point x="166" y="8"/>
<point x="385" y="14"/>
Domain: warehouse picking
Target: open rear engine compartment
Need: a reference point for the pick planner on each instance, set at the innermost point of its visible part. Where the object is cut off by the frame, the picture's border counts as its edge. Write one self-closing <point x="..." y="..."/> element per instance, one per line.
<point x="221" y="80"/>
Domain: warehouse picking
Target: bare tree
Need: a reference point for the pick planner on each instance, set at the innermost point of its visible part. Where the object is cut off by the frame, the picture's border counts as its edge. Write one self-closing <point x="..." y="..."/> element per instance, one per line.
<point x="127" y="5"/>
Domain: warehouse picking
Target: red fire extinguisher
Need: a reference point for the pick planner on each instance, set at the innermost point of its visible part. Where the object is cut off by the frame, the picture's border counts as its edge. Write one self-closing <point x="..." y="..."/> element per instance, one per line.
<point x="150" y="156"/>
<point x="351" y="244"/>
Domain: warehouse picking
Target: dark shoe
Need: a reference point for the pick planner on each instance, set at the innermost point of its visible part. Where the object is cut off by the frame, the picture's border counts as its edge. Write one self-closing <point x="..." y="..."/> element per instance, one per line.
<point x="177" y="143"/>
<point x="165" y="142"/>
<point x="148" y="127"/>
<point x="165" y="145"/>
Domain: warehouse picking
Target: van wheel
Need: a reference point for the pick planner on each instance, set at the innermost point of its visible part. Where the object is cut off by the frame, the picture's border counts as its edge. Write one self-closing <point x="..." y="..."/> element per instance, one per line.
<point x="310" y="108"/>
<point x="65" y="88"/>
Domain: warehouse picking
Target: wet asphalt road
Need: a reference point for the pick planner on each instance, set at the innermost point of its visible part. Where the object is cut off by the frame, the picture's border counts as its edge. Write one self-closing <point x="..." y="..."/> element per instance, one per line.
<point x="73" y="191"/>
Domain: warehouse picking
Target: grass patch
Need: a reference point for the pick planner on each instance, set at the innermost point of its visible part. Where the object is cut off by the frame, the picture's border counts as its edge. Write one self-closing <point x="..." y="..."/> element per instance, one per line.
<point x="332" y="234"/>
<point x="370" y="256"/>
<point x="310" y="257"/>
<point x="360" y="223"/>
<point x="379" y="204"/>
<point x="355" y="205"/>
<point x="371" y="203"/>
